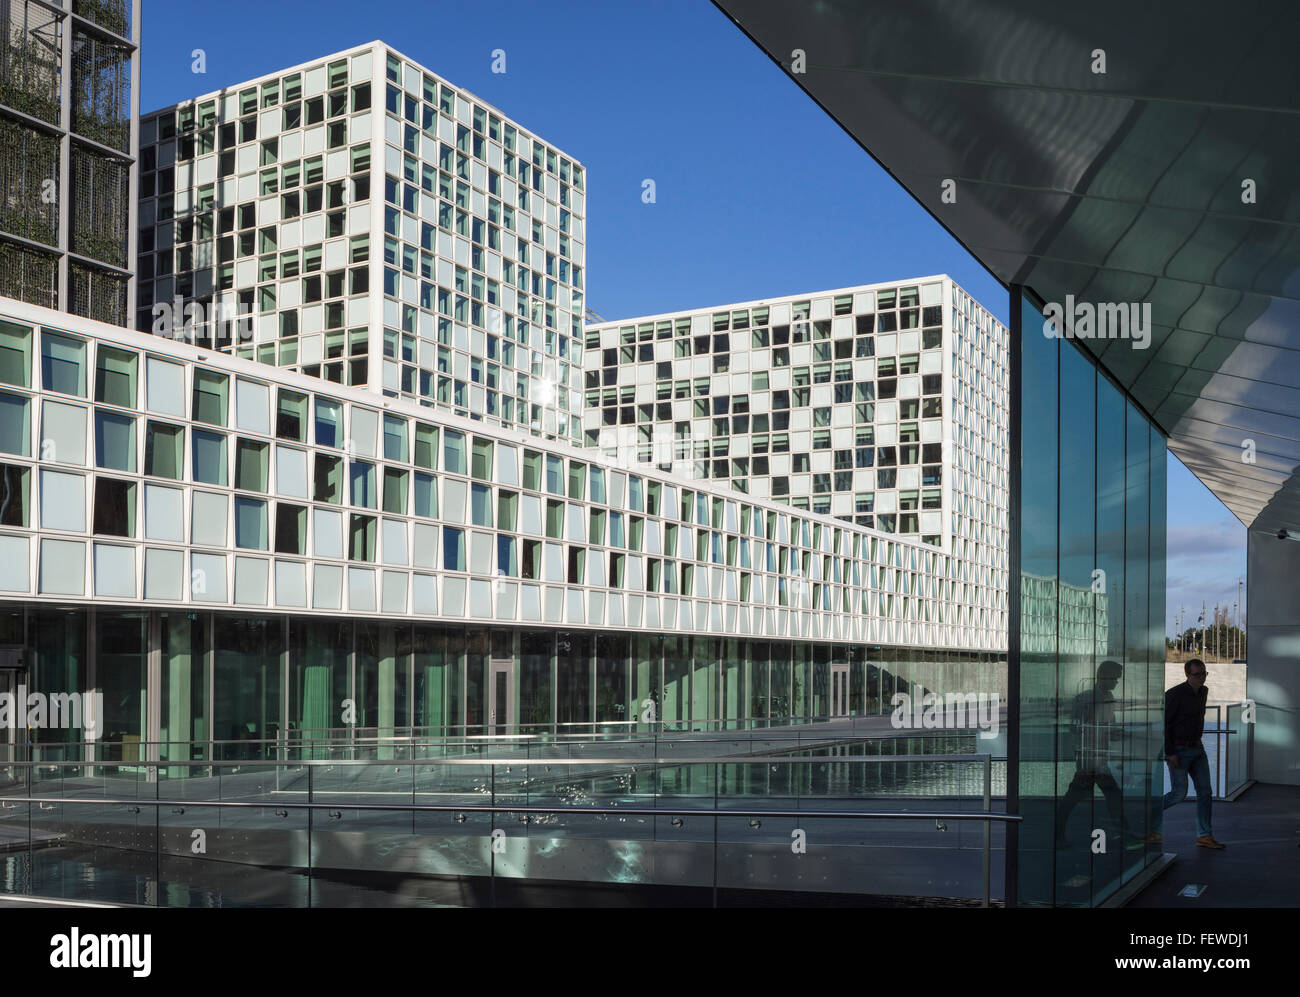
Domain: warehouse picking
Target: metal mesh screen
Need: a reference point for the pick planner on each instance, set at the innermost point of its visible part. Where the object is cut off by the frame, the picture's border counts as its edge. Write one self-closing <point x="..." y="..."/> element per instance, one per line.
<point x="96" y="294"/>
<point x="101" y="91"/>
<point x="100" y="195"/>
<point x="115" y="15"/>
<point x="29" y="62"/>
<point x="29" y="275"/>
<point x="29" y="171"/>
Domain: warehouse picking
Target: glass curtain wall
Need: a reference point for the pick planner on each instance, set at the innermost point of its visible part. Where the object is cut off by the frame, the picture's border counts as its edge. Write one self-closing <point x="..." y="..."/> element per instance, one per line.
<point x="320" y="653"/>
<point x="185" y="714"/>
<point x="647" y="663"/>
<point x="573" y="680"/>
<point x="1090" y="580"/>
<point x="234" y="684"/>
<point x="383" y="654"/>
<point x="536" y="666"/>
<point x="431" y="678"/>
<point x="58" y="640"/>
<point x="120" y="643"/>
<point x="611" y="678"/>
<point x="247" y="685"/>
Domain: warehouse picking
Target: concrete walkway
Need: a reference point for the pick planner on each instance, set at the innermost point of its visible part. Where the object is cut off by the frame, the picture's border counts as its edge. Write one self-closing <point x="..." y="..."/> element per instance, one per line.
<point x="1259" y="868"/>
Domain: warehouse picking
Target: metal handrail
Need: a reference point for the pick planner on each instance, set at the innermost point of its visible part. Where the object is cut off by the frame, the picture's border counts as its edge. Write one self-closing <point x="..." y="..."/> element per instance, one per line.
<point x="779" y="734"/>
<point x="478" y="761"/>
<point x="621" y="811"/>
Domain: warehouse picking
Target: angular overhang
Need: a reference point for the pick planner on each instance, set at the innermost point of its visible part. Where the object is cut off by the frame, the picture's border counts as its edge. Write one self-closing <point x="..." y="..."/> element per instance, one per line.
<point x="1169" y="179"/>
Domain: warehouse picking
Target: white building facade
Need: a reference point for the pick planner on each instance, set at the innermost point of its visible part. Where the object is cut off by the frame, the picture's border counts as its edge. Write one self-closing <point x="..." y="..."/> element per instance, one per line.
<point x="362" y="220"/>
<point x="884" y="405"/>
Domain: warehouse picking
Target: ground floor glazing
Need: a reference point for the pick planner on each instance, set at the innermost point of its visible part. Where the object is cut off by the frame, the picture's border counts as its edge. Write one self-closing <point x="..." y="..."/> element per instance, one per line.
<point x="202" y="684"/>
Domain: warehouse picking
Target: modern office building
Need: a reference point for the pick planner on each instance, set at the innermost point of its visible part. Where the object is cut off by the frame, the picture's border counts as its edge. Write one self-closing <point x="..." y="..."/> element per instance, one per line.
<point x="884" y="405"/>
<point x="188" y="530"/>
<point x="361" y="220"/>
<point x="69" y="107"/>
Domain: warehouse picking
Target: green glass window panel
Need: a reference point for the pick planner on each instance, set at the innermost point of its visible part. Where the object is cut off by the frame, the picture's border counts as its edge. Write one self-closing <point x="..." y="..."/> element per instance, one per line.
<point x="597" y="527"/>
<point x="453" y="549"/>
<point x="394" y="438"/>
<point x="577" y="479"/>
<point x="291" y="416"/>
<point x="114" y="441"/>
<point x="554" y="474"/>
<point x="115" y="377"/>
<point x="361" y="478"/>
<point x="481" y="505"/>
<point x="426" y="496"/>
<point x="361" y="538"/>
<point x="555" y="520"/>
<point x="482" y="466"/>
<point x="597" y="484"/>
<point x="251" y="464"/>
<point x="15" y="424"/>
<point x="616" y="538"/>
<point x="164" y="450"/>
<point x="63" y="364"/>
<point x="329" y="415"/>
<point x="453" y="452"/>
<point x="426" y="447"/>
<point x="394" y="491"/>
<point x="210" y="394"/>
<point x="507" y="511"/>
<point x="250" y="523"/>
<point x="532" y="470"/>
<point x="209" y="457"/>
<point x="15" y="354"/>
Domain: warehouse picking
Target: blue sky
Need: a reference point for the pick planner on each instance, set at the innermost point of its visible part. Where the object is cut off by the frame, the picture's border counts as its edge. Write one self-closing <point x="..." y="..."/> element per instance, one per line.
<point x="758" y="193"/>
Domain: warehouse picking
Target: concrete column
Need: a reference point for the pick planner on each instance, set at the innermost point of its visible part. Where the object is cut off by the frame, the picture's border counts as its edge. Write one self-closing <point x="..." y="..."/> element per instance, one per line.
<point x="1273" y="653"/>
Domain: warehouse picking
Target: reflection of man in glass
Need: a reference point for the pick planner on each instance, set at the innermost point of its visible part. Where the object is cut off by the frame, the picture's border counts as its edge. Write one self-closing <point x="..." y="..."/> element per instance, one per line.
<point x="1184" y="753"/>
<point x="1092" y="719"/>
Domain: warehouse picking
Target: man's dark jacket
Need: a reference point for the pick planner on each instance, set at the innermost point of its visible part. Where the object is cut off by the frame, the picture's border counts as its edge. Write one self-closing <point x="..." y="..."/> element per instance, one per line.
<point x="1184" y="716"/>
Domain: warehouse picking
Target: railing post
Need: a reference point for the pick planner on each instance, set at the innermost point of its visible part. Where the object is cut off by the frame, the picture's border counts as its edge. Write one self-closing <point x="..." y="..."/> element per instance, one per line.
<point x="310" y="829"/>
<point x="492" y="826"/>
<point x="1227" y="743"/>
<point x="988" y="824"/>
<point x="716" y="770"/>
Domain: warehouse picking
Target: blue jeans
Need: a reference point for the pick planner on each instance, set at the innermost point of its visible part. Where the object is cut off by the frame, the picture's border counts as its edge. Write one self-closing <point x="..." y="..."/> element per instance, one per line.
<point x="1191" y="761"/>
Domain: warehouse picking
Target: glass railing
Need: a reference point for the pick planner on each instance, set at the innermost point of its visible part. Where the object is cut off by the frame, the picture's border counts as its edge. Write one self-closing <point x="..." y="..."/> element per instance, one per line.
<point x="555" y="741"/>
<point x="473" y="830"/>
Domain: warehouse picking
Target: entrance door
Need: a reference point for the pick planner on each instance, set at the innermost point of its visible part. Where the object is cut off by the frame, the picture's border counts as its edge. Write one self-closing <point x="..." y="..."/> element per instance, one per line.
<point x="840" y="690"/>
<point x="9" y="679"/>
<point x="501" y="690"/>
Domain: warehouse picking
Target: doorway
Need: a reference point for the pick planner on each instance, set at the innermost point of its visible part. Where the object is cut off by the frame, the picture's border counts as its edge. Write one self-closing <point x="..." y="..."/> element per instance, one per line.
<point x="839" y="690"/>
<point x="10" y="680"/>
<point x="501" y="693"/>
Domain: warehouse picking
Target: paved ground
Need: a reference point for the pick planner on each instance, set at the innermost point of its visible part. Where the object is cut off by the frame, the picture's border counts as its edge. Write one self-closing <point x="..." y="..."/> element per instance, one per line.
<point x="1259" y="868"/>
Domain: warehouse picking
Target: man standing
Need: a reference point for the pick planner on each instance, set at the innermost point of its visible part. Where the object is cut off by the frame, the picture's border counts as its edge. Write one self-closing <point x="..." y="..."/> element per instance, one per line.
<point x="1184" y="753"/>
